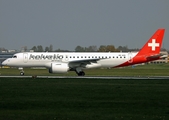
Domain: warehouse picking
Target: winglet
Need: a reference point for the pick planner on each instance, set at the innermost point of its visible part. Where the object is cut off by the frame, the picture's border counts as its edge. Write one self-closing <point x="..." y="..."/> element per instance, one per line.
<point x="153" y="45"/>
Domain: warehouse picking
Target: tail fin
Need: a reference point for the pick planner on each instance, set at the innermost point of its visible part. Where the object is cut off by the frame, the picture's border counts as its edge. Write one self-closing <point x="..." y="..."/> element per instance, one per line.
<point x="153" y="45"/>
<point x="150" y="51"/>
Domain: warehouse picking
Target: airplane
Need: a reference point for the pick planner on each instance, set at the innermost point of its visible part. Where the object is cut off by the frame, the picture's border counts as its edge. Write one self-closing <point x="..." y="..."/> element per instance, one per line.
<point x="62" y="62"/>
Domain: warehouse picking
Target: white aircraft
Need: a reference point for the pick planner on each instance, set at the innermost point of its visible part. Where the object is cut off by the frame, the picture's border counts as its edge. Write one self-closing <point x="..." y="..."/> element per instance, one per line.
<point x="62" y="62"/>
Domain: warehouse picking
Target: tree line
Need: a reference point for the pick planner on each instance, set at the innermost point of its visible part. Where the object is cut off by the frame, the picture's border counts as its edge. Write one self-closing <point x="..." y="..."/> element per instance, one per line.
<point x="40" y="48"/>
<point x="93" y="48"/>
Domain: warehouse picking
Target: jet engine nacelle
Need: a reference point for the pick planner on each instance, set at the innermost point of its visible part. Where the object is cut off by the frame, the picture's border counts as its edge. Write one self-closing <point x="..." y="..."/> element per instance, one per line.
<point x="58" y="68"/>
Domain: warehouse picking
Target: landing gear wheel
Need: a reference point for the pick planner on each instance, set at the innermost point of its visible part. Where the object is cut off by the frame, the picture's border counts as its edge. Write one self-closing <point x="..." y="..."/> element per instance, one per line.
<point x="21" y="73"/>
<point x="81" y="73"/>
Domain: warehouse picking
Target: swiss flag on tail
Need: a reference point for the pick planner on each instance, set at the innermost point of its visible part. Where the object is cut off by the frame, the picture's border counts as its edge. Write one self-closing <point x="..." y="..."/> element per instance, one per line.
<point x="153" y="45"/>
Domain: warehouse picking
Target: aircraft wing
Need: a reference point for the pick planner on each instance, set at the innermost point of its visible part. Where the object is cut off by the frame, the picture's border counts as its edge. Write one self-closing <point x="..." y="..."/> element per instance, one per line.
<point x="82" y="63"/>
<point x="88" y="61"/>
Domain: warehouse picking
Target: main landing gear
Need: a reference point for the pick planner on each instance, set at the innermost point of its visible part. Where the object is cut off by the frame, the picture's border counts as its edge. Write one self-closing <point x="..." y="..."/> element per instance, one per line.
<point x="79" y="72"/>
<point x="21" y="71"/>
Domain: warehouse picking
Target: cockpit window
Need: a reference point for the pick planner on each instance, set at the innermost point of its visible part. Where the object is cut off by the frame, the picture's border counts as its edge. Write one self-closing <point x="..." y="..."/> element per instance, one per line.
<point x="14" y="56"/>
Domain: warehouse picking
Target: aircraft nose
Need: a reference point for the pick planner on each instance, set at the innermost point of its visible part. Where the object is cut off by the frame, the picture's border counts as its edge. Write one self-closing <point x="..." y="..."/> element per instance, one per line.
<point x="4" y="62"/>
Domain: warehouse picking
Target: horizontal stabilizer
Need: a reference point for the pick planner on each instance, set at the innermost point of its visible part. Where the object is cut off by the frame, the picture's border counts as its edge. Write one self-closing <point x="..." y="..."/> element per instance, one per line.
<point x="152" y="57"/>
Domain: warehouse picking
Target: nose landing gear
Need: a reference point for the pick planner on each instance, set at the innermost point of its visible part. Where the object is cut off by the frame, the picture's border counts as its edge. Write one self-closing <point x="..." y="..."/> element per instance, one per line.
<point x="21" y="71"/>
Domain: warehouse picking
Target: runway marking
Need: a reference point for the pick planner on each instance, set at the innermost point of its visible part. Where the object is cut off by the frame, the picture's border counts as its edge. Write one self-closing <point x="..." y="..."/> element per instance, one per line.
<point x="92" y="77"/>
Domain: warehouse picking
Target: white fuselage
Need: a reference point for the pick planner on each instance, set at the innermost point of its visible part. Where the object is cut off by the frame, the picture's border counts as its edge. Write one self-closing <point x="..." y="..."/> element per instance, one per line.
<point x="44" y="59"/>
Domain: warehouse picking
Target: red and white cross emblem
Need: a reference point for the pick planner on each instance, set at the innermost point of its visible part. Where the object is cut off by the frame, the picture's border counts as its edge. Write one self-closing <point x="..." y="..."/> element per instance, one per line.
<point x="153" y="45"/>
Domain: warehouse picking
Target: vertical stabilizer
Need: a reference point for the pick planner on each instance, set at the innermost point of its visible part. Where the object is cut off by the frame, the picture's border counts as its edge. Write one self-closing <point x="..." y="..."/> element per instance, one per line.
<point x="154" y="44"/>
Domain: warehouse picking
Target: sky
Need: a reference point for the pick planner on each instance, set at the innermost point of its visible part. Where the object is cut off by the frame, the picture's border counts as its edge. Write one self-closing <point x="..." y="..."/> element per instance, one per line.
<point x="66" y="24"/>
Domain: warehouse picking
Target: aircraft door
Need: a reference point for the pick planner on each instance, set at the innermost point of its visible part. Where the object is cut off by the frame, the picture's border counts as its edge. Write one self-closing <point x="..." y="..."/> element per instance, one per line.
<point x="130" y="58"/>
<point x="25" y="57"/>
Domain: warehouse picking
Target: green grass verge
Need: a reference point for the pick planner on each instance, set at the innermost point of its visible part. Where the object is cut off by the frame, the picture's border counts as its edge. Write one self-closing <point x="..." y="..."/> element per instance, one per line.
<point x="83" y="99"/>
<point x="142" y="70"/>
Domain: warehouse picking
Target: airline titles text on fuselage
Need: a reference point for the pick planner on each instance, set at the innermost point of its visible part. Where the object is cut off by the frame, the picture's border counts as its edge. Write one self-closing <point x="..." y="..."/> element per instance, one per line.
<point x="43" y="56"/>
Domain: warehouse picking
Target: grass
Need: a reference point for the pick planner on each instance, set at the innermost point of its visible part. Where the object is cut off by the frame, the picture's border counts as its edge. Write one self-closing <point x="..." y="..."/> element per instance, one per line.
<point x="81" y="99"/>
<point x="142" y="70"/>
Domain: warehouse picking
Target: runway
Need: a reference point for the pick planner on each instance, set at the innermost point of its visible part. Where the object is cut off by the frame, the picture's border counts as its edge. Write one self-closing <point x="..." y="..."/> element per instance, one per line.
<point x="92" y="77"/>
